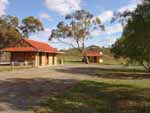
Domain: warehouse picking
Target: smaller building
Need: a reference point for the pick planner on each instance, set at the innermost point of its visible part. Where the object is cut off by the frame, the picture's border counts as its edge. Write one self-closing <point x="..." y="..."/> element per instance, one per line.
<point x="33" y="53"/>
<point x="95" y="56"/>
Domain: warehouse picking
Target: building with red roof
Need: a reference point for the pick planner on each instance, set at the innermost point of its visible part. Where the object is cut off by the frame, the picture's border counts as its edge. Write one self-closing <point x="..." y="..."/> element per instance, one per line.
<point x="29" y="51"/>
<point x="94" y="56"/>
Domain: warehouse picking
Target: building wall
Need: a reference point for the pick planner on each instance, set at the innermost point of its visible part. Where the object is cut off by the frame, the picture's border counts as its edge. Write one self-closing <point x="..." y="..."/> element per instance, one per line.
<point x="50" y="58"/>
<point x="43" y="59"/>
<point x="37" y="59"/>
<point x="94" y="59"/>
<point x="47" y="59"/>
<point x="22" y="56"/>
<point x="54" y="60"/>
<point x="5" y="57"/>
<point x="34" y="58"/>
<point x="26" y="58"/>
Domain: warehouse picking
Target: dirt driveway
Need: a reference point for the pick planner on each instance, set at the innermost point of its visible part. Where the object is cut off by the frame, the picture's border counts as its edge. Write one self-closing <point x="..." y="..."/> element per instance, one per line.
<point x="22" y="90"/>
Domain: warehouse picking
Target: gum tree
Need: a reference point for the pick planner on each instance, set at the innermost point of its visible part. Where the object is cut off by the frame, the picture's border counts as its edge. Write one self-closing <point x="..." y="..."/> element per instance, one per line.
<point x="30" y="25"/>
<point x="77" y="28"/>
<point x="9" y="32"/>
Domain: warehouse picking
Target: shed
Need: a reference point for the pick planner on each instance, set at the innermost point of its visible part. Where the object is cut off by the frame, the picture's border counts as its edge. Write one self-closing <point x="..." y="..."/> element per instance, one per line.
<point x="95" y="56"/>
<point x="32" y="52"/>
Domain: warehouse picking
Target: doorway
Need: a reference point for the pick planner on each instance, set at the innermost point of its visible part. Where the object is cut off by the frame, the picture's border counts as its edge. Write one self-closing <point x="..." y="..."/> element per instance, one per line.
<point x="47" y="58"/>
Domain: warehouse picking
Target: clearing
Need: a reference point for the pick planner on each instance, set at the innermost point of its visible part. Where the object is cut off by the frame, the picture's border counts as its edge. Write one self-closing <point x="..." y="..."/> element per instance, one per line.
<point x="75" y="89"/>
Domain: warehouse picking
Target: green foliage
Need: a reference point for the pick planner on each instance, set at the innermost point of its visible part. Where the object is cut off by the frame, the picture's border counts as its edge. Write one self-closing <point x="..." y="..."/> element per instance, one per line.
<point x="81" y="23"/>
<point x="30" y="25"/>
<point x="72" y="55"/>
<point x="9" y="32"/>
<point x="135" y="41"/>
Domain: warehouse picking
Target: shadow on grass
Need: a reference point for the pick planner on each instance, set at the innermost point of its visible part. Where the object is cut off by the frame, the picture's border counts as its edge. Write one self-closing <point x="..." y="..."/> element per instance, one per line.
<point x="96" y="97"/>
<point x="24" y="94"/>
<point x="74" y="62"/>
<point x="108" y="73"/>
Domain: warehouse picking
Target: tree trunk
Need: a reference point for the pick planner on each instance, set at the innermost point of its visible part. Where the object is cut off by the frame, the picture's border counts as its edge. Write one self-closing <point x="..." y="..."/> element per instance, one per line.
<point x="83" y="52"/>
<point x="85" y="59"/>
<point x="147" y="67"/>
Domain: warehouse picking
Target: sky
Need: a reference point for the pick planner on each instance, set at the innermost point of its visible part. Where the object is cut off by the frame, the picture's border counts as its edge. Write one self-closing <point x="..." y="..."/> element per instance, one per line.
<point x="50" y="12"/>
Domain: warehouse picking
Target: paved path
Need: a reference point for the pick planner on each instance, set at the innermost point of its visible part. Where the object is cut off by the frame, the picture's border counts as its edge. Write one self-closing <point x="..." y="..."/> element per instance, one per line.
<point x="22" y="90"/>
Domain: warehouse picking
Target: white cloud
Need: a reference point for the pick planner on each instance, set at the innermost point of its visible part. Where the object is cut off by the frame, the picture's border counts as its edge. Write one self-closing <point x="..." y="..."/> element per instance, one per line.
<point x="42" y="35"/>
<point x="116" y="28"/>
<point x="131" y="6"/>
<point x="3" y="4"/>
<point x="63" y="7"/>
<point x="102" y="41"/>
<point x="106" y="16"/>
<point x="112" y="29"/>
<point x="45" y="16"/>
<point x="107" y="41"/>
<point x="109" y="30"/>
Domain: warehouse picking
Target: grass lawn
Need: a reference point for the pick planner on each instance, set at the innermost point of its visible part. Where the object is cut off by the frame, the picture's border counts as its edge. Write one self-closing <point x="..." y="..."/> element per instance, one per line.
<point x="8" y="68"/>
<point x="5" y="69"/>
<point x="101" y="96"/>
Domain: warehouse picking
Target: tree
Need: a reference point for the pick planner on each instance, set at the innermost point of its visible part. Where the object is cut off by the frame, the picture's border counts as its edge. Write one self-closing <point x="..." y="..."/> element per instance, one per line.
<point x="135" y="41"/>
<point x="77" y="29"/>
<point x="30" y="25"/>
<point x="93" y="48"/>
<point x="9" y="32"/>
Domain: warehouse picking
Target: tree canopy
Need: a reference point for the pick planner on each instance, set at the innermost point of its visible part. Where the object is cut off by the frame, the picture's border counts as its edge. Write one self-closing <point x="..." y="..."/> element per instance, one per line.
<point x="11" y="30"/>
<point x="135" y="41"/>
<point x="77" y="29"/>
<point x="30" y="25"/>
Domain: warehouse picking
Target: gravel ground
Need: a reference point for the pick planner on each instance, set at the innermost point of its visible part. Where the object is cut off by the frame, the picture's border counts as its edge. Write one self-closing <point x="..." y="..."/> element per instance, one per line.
<point x="21" y="90"/>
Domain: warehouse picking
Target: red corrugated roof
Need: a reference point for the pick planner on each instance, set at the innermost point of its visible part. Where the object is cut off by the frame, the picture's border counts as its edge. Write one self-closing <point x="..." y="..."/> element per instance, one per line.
<point x="41" y="46"/>
<point x="93" y="53"/>
<point x="35" y="46"/>
<point x="19" y="49"/>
